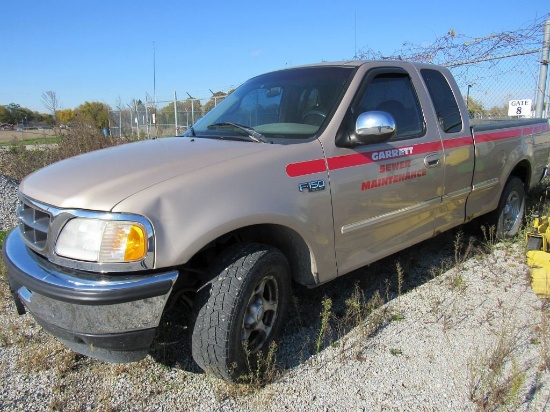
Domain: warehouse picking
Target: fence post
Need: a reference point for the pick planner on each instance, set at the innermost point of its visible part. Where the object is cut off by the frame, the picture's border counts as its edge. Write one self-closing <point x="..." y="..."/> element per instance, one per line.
<point x="137" y="119"/>
<point x="147" y="123"/>
<point x="176" y="111"/>
<point x="543" y="71"/>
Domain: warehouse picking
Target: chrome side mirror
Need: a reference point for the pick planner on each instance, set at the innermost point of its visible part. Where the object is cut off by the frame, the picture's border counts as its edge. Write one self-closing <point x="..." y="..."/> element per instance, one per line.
<point x="374" y="127"/>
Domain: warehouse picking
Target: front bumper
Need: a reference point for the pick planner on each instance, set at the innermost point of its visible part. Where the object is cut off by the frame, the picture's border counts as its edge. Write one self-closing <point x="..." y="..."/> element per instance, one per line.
<point x="108" y="317"/>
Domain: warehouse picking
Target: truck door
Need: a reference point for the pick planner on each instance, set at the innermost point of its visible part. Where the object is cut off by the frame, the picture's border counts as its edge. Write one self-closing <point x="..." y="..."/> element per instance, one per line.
<point x="458" y="145"/>
<point x="385" y="195"/>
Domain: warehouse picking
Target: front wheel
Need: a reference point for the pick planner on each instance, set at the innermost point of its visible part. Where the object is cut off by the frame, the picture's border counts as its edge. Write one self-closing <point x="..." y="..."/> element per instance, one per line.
<point x="242" y="311"/>
<point x="508" y="217"/>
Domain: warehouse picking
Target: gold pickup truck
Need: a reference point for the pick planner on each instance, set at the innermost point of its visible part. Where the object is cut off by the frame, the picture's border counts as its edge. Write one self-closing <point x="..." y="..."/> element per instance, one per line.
<point x="299" y="176"/>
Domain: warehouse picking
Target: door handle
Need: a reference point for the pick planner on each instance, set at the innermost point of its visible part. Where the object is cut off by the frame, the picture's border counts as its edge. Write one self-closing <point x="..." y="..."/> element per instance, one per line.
<point x="432" y="160"/>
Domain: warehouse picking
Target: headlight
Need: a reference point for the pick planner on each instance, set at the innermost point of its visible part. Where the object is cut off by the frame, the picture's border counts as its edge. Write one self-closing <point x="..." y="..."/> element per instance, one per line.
<point x="102" y="241"/>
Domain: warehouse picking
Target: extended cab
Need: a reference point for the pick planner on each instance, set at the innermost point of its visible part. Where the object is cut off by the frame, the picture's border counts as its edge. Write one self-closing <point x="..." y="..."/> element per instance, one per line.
<point x="300" y="175"/>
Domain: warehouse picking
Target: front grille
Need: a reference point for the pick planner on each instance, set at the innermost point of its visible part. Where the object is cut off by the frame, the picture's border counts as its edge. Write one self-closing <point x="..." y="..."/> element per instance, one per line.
<point x="34" y="224"/>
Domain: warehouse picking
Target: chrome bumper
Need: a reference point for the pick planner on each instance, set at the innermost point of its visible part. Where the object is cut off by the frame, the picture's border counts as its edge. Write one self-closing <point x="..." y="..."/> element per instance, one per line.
<point x="91" y="313"/>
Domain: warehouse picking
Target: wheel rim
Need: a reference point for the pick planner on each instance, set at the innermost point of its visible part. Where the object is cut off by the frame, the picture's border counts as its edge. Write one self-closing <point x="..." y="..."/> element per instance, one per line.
<point x="511" y="211"/>
<point x="261" y="314"/>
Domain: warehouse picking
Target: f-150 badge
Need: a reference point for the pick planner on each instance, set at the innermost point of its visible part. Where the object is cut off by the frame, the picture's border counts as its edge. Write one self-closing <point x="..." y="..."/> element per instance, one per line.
<point x="313" y="186"/>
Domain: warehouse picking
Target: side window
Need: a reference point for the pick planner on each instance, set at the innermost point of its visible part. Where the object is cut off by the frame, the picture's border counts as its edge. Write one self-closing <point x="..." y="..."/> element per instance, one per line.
<point x="395" y="94"/>
<point x="443" y="99"/>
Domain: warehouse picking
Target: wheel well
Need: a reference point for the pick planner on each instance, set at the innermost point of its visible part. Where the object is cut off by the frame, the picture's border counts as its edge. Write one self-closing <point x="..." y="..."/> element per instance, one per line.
<point x="523" y="172"/>
<point x="289" y="242"/>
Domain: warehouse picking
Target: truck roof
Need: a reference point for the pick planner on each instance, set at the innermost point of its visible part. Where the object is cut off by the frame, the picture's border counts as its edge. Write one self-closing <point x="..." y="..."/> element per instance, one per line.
<point x="358" y="63"/>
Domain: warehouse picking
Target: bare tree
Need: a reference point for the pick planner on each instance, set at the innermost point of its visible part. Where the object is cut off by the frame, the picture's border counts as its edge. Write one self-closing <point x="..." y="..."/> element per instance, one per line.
<point x="51" y="103"/>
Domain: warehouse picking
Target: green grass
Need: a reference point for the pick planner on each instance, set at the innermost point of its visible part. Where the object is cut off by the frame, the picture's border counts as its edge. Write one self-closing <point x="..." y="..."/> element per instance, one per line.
<point x="3" y="234"/>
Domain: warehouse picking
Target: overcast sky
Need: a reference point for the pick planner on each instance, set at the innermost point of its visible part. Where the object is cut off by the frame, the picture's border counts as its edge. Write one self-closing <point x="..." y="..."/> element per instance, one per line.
<point x="111" y="50"/>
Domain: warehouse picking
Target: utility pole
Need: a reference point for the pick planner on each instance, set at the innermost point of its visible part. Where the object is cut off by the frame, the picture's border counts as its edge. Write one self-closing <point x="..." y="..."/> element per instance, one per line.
<point x="154" y="111"/>
<point x="541" y="92"/>
<point x="154" y="77"/>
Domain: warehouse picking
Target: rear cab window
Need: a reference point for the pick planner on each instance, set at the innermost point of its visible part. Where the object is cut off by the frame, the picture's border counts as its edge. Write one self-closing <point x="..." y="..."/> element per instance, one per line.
<point x="443" y="99"/>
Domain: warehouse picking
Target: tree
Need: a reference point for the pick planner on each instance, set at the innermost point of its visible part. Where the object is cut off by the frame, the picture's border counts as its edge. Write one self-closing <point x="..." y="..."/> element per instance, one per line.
<point x="166" y="113"/>
<point x="5" y="115"/>
<point x="498" y="111"/>
<point x="95" y="114"/>
<point x="51" y="102"/>
<point x="15" y="111"/>
<point x="30" y="116"/>
<point x="189" y="112"/>
<point x="193" y="106"/>
<point x="214" y="101"/>
<point x="475" y="108"/>
<point x="65" y="116"/>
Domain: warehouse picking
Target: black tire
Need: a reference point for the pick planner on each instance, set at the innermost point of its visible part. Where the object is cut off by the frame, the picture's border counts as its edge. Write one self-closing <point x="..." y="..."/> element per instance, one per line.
<point x="241" y="311"/>
<point x="508" y="217"/>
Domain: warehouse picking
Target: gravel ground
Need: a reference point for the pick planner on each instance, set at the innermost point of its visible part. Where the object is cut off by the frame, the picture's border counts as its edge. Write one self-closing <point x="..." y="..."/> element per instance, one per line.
<point x="457" y="335"/>
<point x="8" y="202"/>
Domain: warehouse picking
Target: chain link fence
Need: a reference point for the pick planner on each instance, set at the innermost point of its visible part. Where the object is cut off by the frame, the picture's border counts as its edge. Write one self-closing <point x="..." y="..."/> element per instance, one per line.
<point x="488" y="86"/>
<point x="160" y="119"/>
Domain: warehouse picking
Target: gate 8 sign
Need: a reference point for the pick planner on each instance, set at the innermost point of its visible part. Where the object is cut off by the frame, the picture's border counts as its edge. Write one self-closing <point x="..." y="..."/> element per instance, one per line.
<point x="520" y="107"/>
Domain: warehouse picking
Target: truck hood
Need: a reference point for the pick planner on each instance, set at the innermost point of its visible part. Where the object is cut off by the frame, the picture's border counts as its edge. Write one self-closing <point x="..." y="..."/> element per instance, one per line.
<point x="101" y="179"/>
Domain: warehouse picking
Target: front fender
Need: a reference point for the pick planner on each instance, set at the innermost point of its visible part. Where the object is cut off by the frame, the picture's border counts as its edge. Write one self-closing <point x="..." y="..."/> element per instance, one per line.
<point x="190" y="211"/>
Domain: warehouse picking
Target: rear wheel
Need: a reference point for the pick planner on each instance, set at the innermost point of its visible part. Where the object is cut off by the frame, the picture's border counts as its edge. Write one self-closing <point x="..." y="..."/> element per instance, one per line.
<point x="242" y="310"/>
<point x="508" y="217"/>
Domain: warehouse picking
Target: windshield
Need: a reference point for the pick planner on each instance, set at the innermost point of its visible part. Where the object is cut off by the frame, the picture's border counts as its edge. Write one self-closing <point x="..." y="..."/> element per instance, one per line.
<point x="287" y="104"/>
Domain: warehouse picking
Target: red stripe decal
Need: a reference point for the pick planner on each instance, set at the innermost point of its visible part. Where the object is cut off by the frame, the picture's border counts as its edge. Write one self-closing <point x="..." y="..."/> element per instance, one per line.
<point x="490" y="137"/>
<point x="306" y="168"/>
<point x="341" y="162"/>
<point x="458" y="142"/>
<point x="359" y="159"/>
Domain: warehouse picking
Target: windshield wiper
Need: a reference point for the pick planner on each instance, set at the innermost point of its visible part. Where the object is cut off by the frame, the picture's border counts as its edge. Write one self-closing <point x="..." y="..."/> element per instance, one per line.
<point x="249" y="131"/>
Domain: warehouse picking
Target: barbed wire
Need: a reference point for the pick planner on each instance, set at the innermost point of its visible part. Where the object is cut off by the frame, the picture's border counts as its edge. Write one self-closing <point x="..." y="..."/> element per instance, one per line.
<point x="454" y="48"/>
